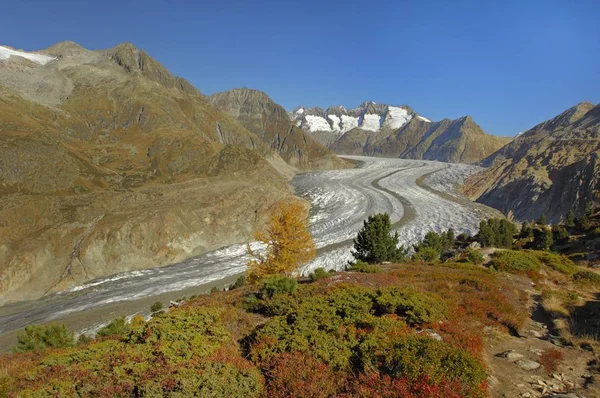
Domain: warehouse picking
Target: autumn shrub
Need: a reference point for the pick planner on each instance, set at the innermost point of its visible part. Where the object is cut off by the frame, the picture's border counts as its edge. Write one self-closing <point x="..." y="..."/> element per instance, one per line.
<point x="551" y="360"/>
<point x="377" y="385"/>
<point x="277" y="284"/>
<point x="287" y="240"/>
<point x="515" y="261"/>
<point x="299" y="375"/>
<point x="35" y="338"/>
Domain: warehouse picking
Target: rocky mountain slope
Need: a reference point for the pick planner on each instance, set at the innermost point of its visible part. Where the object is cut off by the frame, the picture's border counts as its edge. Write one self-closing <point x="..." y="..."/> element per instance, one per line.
<point x="381" y="130"/>
<point x="270" y="121"/>
<point x="108" y="163"/>
<point x="549" y="169"/>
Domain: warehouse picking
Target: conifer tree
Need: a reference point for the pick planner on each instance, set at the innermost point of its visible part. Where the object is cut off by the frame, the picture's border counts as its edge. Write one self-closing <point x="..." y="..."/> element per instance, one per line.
<point x="374" y="244"/>
<point x="288" y="243"/>
<point x="570" y="221"/>
<point x="543" y="239"/>
<point x="542" y="220"/>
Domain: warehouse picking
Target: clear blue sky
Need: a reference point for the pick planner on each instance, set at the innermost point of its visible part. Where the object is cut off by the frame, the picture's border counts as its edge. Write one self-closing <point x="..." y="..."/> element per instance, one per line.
<point x="510" y="64"/>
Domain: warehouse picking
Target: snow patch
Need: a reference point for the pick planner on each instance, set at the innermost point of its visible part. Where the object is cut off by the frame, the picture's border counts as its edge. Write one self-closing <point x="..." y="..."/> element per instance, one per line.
<point x="6" y="53"/>
<point x="300" y="111"/>
<point x="371" y="122"/>
<point x="348" y="123"/>
<point x="335" y="122"/>
<point x="317" y="123"/>
<point x="424" y="119"/>
<point x="396" y="117"/>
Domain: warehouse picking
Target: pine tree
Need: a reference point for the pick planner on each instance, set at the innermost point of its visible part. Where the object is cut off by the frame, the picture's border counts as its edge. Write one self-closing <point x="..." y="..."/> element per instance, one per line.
<point x="486" y="235"/>
<point x="543" y="239"/>
<point x="542" y="220"/>
<point x="570" y="221"/>
<point x="374" y="244"/>
<point x="288" y="243"/>
<point x="589" y="209"/>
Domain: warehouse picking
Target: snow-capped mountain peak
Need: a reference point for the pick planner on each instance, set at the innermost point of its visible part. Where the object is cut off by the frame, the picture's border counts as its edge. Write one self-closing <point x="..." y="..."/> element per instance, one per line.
<point x="369" y="116"/>
<point x="6" y="53"/>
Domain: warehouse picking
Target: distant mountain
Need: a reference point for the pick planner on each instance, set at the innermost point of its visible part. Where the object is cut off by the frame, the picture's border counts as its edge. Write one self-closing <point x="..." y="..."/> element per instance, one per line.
<point x="396" y="131"/>
<point x="270" y="121"/>
<point x="549" y="169"/>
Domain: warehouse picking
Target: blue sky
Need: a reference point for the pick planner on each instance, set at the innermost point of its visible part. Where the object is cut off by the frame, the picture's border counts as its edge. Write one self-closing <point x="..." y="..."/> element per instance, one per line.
<point x="509" y="64"/>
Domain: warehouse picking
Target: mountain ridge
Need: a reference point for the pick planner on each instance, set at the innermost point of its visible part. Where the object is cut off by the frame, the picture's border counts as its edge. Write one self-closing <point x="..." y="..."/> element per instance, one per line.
<point x="108" y="163"/>
<point x="374" y="129"/>
<point x="549" y="169"/>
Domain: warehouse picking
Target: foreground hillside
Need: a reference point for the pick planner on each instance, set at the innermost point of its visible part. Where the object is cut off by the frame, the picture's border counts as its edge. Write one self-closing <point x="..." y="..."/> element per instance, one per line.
<point x="503" y="320"/>
<point x="108" y="163"/>
<point x="549" y="169"/>
<point x="381" y="130"/>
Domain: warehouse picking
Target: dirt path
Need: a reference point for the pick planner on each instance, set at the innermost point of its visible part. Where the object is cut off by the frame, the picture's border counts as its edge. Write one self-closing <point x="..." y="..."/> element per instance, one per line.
<point x="509" y="357"/>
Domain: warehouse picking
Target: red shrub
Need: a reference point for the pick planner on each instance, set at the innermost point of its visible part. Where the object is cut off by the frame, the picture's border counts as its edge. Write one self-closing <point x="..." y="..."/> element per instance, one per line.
<point x="551" y="360"/>
<point x="300" y="375"/>
<point x="376" y="385"/>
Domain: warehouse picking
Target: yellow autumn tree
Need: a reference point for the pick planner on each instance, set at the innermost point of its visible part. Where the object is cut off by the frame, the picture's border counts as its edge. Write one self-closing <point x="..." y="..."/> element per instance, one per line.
<point x="288" y="243"/>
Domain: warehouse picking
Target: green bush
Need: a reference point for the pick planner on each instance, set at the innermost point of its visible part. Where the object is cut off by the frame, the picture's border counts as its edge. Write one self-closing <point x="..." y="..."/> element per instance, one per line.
<point x="277" y="284"/>
<point x="117" y="327"/>
<point x="426" y="254"/>
<point x="515" y="261"/>
<point x="415" y="307"/>
<point x="35" y="338"/>
<point x="587" y="276"/>
<point x="557" y="262"/>
<point x="360" y="266"/>
<point x="215" y="289"/>
<point x="474" y="256"/>
<point x="414" y="356"/>
<point x="318" y="273"/>
<point x="157" y="306"/>
<point x="83" y="339"/>
<point x="239" y="282"/>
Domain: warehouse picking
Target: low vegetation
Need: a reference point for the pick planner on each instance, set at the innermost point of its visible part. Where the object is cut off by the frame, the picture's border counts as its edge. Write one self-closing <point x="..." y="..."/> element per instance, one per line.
<point x="414" y="329"/>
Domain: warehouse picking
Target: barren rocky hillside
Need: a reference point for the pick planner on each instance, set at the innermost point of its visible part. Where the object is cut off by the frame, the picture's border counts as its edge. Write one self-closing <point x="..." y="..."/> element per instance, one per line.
<point x="270" y="121"/>
<point x="109" y="163"/>
<point x="549" y="169"/>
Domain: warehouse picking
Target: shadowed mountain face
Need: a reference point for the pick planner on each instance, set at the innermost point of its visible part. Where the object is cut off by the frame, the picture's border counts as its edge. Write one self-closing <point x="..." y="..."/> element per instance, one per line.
<point x="108" y="163"/>
<point x="550" y="169"/>
<point x="260" y="115"/>
<point x="382" y="130"/>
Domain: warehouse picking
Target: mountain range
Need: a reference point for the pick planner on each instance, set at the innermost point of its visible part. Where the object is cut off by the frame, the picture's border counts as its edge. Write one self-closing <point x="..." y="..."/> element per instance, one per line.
<point x="550" y="169"/>
<point x="397" y="131"/>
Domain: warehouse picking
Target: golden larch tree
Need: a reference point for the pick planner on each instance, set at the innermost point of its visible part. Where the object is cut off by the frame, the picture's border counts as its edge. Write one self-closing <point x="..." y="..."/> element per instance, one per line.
<point x="288" y="243"/>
